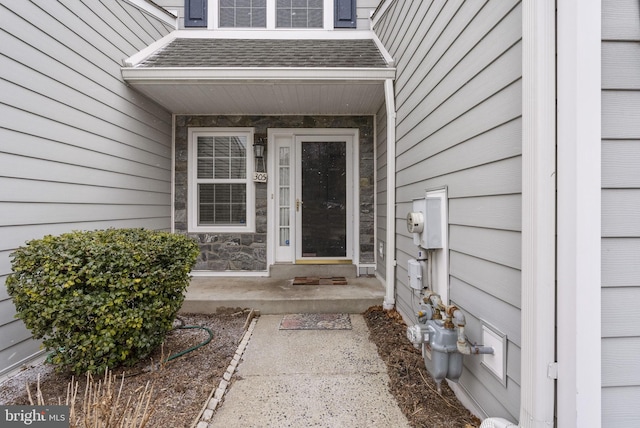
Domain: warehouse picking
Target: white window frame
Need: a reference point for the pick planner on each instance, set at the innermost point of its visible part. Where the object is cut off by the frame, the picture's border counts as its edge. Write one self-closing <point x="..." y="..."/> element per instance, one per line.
<point x="214" y="18"/>
<point x="192" y="171"/>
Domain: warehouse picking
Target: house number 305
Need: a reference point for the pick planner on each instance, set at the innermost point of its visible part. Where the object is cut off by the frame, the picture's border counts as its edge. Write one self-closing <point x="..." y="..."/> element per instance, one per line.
<point x="260" y="177"/>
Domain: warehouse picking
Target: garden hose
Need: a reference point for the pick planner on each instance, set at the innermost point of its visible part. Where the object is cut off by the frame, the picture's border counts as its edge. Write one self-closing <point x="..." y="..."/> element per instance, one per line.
<point x="193" y="348"/>
<point x="181" y="353"/>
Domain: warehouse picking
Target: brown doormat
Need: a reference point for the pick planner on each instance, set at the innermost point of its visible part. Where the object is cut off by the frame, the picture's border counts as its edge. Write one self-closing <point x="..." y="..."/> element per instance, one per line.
<point x="319" y="280"/>
<point x="316" y="322"/>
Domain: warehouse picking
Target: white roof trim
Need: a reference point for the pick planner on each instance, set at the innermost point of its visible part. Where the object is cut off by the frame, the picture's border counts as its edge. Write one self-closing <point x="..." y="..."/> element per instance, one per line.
<point x="280" y="33"/>
<point x="241" y="74"/>
<point x="139" y="57"/>
<point x="386" y="55"/>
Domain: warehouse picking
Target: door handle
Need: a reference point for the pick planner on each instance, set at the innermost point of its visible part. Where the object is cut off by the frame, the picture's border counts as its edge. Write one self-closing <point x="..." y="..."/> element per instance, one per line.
<point x="298" y="203"/>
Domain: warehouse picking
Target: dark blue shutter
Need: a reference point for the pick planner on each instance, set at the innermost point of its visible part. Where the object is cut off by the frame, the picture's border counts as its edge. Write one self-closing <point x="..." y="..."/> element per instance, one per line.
<point x="195" y="13"/>
<point x="345" y="14"/>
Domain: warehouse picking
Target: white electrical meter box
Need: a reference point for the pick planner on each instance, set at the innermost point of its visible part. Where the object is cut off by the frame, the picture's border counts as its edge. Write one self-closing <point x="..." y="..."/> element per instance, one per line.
<point x="415" y="274"/>
<point x="425" y="223"/>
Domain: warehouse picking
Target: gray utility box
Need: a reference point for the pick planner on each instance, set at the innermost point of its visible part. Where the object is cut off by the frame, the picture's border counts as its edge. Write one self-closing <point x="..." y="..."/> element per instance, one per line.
<point x="425" y="223"/>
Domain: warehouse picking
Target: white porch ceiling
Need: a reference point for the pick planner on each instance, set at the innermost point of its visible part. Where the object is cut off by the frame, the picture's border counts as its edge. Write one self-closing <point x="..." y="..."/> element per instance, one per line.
<point x="266" y="98"/>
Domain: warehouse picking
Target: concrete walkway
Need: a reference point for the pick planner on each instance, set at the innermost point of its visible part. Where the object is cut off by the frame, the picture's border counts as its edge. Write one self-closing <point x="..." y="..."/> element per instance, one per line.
<point x="309" y="378"/>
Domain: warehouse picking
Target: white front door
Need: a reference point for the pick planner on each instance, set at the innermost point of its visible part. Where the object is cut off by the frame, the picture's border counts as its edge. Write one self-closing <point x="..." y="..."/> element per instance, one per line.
<point x="313" y="196"/>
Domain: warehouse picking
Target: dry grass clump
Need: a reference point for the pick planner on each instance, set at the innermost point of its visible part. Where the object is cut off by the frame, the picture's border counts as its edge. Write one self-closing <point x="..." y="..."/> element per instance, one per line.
<point x="102" y="406"/>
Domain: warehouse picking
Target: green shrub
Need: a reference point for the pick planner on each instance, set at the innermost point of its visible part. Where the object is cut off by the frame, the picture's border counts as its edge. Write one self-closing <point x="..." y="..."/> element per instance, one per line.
<point x="103" y="298"/>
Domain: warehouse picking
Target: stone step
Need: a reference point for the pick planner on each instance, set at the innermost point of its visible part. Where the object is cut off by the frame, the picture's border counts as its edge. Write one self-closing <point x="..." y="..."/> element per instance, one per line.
<point x="280" y="296"/>
<point x="289" y="271"/>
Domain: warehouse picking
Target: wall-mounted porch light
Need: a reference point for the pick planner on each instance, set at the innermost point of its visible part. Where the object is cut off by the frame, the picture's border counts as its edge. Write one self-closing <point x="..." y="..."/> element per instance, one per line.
<point x="259" y="153"/>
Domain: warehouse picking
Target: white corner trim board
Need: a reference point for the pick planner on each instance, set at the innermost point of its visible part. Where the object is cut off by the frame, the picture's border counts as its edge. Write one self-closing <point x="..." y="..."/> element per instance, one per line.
<point x="579" y="319"/>
<point x="390" y="295"/>
<point x="537" y="396"/>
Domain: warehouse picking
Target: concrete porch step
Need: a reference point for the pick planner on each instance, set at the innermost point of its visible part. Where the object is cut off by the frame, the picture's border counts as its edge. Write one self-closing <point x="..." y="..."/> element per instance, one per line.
<point x="279" y="296"/>
<point x="288" y="270"/>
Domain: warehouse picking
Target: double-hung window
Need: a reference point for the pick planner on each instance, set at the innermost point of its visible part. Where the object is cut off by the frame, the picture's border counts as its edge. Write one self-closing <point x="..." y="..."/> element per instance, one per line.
<point x="221" y="193"/>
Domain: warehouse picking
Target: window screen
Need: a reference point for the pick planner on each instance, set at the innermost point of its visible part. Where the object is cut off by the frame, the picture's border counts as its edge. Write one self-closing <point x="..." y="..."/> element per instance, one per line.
<point x="299" y="14"/>
<point x="243" y="13"/>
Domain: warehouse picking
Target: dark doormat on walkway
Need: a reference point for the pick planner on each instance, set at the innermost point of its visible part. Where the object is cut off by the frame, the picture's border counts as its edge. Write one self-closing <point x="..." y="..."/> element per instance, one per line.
<point x="316" y="322"/>
<point x="319" y="280"/>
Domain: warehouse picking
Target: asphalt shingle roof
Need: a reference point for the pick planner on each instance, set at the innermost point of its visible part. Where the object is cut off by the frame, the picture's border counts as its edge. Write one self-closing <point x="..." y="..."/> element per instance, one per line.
<point x="267" y="53"/>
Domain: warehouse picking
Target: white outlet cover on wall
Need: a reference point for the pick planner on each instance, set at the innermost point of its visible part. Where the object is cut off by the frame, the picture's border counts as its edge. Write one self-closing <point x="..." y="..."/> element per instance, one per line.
<point x="496" y="362"/>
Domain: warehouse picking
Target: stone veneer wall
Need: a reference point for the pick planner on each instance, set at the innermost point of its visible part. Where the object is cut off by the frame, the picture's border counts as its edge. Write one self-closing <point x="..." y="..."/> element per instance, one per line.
<point x="248" y="251"/>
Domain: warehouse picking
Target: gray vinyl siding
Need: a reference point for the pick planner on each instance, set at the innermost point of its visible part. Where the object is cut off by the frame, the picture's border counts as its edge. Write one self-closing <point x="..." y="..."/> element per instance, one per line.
<point x="79" y="149"/>
<point x="458" y="100"/>
<point x="620" y="213"/>
<point x="364" y="9"/>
